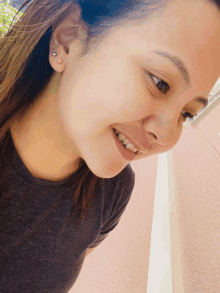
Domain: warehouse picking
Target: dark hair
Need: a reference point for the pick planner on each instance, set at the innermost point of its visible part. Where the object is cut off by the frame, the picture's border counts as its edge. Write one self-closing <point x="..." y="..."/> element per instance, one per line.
<point x="25" y="68"/>
<point x="216" y="2"/>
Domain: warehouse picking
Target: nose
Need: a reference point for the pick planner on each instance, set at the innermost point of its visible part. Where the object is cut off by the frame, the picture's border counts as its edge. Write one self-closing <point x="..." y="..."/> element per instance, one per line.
<point x="162" y="128"/>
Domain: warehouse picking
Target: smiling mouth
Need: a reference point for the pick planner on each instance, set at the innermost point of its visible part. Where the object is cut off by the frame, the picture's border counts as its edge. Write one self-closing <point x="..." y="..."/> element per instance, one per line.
<point x="137" y="152"/>
<point x="127" y="149"/>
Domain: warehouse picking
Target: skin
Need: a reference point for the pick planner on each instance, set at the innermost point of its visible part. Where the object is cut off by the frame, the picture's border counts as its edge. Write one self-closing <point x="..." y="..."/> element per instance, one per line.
<point x="90" y="94"/>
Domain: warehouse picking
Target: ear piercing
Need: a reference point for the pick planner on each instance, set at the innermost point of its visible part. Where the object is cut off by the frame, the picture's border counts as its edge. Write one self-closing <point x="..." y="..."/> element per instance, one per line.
<point x="60" y="60"/>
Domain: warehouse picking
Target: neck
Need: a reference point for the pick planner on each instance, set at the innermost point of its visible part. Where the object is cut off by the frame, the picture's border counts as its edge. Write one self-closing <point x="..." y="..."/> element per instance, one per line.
<point x="40" y="138"/>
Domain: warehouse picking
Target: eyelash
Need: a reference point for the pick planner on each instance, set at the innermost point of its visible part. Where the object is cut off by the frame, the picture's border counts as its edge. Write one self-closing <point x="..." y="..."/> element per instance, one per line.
<point x="160" y="80"/>
<point x="186" y="115"/>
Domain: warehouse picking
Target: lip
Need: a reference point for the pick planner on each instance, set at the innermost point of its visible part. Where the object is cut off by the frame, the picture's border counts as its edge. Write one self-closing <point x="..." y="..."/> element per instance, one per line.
<point x="127" y="154"/>
<point x="134" y="143"/>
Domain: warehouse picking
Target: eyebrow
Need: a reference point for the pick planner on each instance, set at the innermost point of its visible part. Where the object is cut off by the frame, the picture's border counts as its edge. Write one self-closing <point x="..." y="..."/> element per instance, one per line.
<point x="184" y="72"/>
<point x="203" y="101"/>
<point x="178" y="63"/>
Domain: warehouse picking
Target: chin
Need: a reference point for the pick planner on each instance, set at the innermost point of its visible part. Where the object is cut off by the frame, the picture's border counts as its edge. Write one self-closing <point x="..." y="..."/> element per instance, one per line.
<point x="106" y="174"/>
<point x="107" y="171"/>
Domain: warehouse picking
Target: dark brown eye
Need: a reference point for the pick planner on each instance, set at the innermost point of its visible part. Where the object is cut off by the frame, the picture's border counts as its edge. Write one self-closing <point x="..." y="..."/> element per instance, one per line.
<point x="187" y="115"/>
<point x="161" y="85"/>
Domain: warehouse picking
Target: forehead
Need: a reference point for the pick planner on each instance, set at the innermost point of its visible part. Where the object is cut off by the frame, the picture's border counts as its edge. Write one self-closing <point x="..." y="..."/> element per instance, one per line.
<point x="193" y="30"/>
<point x="188" y="29"/>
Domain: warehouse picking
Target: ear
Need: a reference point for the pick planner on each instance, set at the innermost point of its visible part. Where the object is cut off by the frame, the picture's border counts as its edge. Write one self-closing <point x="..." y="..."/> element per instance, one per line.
<point x="65" y="37"/>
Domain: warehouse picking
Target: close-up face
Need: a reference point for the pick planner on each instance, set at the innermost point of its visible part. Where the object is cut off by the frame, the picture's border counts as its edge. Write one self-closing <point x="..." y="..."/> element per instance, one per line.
<point x="138" y="82"/>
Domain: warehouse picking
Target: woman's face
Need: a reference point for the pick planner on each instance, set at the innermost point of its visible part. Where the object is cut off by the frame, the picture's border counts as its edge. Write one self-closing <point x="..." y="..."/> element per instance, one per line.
<point x="113" y="87"/>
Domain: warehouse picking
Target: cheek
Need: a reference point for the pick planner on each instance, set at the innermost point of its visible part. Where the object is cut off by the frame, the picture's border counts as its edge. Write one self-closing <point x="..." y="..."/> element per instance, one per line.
<point x="87" y="108"/>
<point x="176" y="138"/>
<point x="96" y="97"/>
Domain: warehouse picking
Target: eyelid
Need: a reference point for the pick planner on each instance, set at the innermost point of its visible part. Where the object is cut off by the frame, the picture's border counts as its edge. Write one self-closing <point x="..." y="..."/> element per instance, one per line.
<point x="158" y="73"/>
<point x="150" y="74"/>
<point x="186" y="118"/>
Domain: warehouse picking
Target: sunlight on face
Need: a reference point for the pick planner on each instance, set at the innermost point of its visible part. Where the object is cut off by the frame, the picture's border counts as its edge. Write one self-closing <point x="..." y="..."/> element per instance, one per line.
<point x="138" y="82"/>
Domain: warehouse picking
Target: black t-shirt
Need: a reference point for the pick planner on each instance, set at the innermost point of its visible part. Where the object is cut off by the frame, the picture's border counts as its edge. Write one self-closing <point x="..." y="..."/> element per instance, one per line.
<point x="40" y="251"/>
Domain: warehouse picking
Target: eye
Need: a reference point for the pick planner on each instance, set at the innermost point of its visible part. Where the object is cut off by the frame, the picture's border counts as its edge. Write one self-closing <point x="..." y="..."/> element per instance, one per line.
<point x="164" y="87"/>
<point x="161" y="85"/>
<point x="187" y="115"/>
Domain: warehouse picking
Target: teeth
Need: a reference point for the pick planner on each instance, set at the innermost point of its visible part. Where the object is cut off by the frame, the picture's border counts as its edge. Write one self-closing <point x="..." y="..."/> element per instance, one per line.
<point x="131" y="147"/>
<point x="126" y="142"/>
<point x="121" y="137"/>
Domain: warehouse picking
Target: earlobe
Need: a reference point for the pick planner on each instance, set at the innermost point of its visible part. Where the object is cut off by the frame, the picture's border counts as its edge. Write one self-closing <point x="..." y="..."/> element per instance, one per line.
<point x="59" y="47"/>
<point x="59" y="63"/>
<point x="56" y="62"/>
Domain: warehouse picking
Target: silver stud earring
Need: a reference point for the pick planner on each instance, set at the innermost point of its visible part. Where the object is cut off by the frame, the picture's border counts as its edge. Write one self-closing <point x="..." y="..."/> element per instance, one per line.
<point x="60" y="60"/>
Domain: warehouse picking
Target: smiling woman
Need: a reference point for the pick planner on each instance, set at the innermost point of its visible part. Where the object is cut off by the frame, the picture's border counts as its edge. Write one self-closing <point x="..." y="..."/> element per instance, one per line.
<point x="86" y="87"/>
